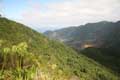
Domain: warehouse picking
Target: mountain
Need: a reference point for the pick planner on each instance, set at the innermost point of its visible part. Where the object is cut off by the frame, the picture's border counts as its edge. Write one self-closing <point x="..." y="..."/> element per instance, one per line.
<point x="99" y="41"/>
<point x="28" y="55"/>
<point x="91" y="33"/>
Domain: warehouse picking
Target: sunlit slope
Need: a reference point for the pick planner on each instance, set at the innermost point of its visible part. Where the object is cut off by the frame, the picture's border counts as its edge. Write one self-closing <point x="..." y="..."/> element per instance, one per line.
<point x="55" y="60"/>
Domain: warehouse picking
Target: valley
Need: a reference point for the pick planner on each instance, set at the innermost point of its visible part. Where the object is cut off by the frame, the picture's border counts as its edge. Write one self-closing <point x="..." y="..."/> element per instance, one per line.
<point x="99" y="41"/>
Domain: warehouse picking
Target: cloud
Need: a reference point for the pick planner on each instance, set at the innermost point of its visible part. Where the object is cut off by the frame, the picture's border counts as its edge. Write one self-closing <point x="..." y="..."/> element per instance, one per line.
<point x="71" y="12"/>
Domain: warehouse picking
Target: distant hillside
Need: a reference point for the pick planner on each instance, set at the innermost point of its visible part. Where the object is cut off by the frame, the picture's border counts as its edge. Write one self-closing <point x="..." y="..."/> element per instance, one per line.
<point x="92" y="33"/>
<point x="103" y="37"/>
<point x="27" y="55"/>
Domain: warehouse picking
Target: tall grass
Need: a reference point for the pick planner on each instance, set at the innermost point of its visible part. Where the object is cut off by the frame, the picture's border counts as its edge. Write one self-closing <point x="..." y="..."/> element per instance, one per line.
<point x="17" y="63"/>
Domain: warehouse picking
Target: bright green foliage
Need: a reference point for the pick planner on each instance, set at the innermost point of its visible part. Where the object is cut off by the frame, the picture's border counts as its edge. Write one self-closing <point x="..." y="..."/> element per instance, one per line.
<point x="32" y="55"/>
<point x="17" y="64"/>
<point x="104" y="36"/>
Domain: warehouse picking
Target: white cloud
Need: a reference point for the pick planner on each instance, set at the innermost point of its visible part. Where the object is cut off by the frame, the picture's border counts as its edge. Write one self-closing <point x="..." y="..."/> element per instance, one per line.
<point x="71" y="12"/>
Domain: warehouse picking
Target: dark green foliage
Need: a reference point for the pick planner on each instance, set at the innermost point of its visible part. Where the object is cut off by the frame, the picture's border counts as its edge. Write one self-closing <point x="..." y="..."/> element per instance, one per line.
<point x="56" y="61"/>
<point x="103" y="37"/>
<point x="103" y="57"/>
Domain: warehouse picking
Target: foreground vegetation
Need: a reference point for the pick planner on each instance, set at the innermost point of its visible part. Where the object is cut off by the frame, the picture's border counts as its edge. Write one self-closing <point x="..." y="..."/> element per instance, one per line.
<point x="99" y="41"/>
<point x="28" y="55"/>
<point x="17" y="63"/>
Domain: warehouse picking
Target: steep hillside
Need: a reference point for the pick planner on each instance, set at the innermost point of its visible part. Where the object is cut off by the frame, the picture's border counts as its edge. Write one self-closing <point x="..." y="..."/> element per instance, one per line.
<point x="103" y="37"/>
<point x="104" y="57"/>
<point x="27" y="55"/>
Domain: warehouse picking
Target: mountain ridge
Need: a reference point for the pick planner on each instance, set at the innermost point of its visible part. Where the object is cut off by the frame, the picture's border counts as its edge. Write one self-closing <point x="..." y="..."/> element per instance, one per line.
<point x="55" y="60"/>
<point x="85" y="32"/>
<point x="103" y="38"/>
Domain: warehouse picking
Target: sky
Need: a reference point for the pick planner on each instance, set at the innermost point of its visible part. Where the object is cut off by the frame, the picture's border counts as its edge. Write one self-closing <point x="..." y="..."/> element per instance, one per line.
<point x="54" y="14"/>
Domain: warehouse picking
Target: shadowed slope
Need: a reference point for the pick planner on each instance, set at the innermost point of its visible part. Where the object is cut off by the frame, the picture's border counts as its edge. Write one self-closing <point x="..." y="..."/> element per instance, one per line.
<point x="56" y="61"/>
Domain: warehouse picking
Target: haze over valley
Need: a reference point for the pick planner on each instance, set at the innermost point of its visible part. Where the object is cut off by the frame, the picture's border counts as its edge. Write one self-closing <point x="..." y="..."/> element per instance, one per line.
<point x="59" y="40"/>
